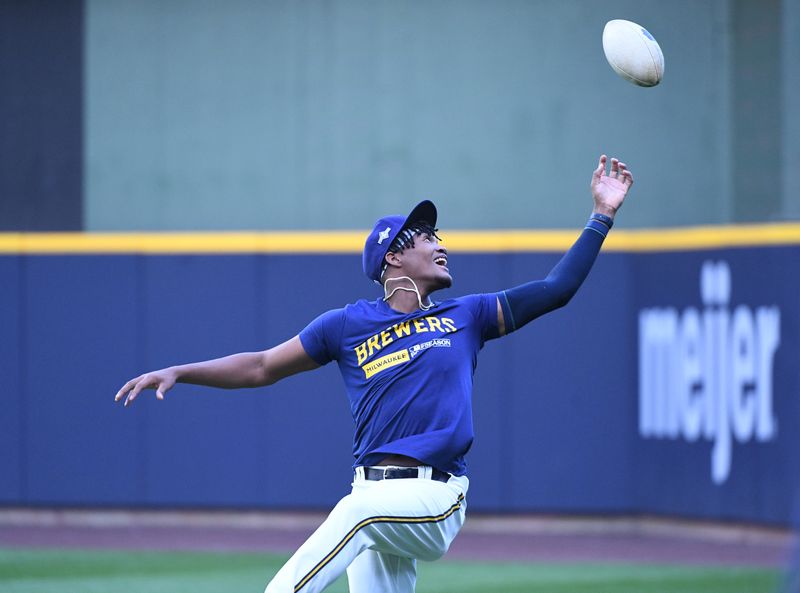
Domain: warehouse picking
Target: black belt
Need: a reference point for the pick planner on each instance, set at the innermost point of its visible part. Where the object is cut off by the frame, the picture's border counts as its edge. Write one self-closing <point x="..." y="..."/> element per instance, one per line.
<point x="391" y="473"/>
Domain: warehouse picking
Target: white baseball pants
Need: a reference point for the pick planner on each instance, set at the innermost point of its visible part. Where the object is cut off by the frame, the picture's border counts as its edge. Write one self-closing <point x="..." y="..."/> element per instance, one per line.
<point x="377" y="533"/>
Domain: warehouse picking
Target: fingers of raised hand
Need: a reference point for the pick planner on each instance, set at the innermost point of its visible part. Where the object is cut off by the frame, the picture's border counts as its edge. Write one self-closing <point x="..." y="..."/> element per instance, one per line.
<point x="615" y="170"/>
<point x="623" y="175"/>
<point x="627" y="177"/>
<point x="618" y="171"/>
<point x="600" y="171"/>
<point x="601" y="166"/>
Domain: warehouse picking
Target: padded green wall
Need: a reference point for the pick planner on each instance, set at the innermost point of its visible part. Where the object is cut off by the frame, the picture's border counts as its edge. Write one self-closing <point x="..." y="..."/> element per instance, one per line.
<point x="316" y="115"/>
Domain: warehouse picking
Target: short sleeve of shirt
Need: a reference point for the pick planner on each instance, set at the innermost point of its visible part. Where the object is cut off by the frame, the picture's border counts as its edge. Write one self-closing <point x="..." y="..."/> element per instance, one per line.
<point x="321" y="338"/>
<point x="484" y="310"/>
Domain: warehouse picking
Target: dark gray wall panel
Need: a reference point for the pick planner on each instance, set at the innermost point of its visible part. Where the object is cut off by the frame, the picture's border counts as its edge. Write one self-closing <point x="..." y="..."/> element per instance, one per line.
<point x="41" y="115"/>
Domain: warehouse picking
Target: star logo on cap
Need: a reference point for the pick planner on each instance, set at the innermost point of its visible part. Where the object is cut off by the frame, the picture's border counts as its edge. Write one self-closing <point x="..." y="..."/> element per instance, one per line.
<point x="383" y="235"/>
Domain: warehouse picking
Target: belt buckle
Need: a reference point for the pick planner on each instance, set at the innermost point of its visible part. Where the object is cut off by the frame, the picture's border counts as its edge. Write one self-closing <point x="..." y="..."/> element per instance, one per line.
<point x="395" y="472"/>
<point x="376" y="468"/>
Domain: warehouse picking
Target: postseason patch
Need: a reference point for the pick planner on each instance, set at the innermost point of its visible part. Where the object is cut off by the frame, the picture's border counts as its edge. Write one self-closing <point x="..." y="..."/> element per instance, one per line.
<point x="437" y="343"/>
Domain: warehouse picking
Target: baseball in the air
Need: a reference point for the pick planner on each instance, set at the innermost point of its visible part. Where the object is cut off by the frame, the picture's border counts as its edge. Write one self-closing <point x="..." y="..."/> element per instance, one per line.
<point x="633" y="52"/>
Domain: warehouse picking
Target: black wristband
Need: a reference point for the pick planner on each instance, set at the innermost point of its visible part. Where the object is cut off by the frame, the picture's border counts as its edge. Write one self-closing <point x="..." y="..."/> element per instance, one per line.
<point x="606" y="220"/>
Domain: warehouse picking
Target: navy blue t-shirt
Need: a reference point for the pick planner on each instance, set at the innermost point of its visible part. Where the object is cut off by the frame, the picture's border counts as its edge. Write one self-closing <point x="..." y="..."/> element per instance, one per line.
<point x="408" y="376"/>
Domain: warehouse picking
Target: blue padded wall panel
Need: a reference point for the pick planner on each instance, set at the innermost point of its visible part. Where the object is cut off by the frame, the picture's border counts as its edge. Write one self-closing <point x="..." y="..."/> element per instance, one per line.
<point x="199" y="442"/>
<point x="570" y="414"/>
<point x="81" y="334"/>
<point x="12" y="422"/>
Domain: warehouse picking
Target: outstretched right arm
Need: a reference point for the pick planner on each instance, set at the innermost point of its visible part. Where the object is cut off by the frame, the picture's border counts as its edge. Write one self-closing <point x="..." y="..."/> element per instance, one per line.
<point x="246" y="369"/>
<point x="522" y="304"/>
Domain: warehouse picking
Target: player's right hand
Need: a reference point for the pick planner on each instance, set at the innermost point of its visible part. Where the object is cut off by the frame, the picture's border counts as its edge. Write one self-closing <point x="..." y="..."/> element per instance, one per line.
<point x="162" y="381"/>
<point x="610" y="188"/>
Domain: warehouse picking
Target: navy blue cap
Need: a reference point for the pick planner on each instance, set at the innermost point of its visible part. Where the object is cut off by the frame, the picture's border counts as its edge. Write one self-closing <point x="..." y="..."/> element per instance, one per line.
<point x="384" y="233"/>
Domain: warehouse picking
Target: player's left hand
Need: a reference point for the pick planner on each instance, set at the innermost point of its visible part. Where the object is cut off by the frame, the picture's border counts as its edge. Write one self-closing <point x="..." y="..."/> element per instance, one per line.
<point x="609" y="189"/>
<point x="162" y="381"/>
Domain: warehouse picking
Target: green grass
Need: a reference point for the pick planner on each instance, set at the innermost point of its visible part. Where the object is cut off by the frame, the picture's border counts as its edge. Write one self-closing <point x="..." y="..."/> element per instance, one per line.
<point x="55" y="571"/>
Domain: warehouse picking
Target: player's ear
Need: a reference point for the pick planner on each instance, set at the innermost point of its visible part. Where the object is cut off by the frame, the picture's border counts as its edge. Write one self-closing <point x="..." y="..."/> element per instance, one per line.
<point x="393" y="259"/>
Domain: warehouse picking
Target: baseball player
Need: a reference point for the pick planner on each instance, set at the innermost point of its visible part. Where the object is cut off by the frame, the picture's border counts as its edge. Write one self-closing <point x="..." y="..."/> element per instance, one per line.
<point x="407" y="363"/>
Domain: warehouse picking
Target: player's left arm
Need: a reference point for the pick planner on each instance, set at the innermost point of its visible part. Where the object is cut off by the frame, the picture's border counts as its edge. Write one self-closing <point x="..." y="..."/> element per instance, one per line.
<point x="522" y="304"/>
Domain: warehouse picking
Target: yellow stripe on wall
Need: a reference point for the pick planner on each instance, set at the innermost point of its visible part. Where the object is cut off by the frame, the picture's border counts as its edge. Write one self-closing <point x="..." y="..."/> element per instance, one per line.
<point x="333" y="242"/>
<point x="183" y="243"/>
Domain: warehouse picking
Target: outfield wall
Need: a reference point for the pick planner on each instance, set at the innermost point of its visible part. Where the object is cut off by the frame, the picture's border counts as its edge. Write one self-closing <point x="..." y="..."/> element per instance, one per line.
<point x="669" y="385"/>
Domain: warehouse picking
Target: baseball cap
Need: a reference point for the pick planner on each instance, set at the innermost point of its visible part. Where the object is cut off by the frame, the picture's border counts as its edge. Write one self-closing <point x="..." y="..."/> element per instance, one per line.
<point x="384" y="233"/>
